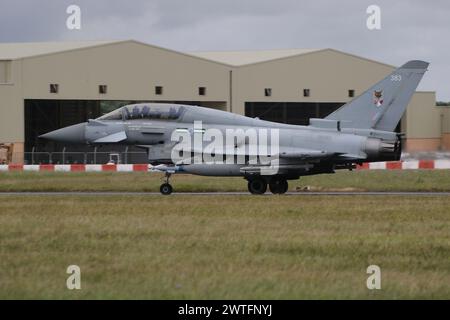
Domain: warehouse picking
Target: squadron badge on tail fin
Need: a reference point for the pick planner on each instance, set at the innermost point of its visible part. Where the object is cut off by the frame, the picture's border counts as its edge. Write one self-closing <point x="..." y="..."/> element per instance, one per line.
<point x="378" y="98"/>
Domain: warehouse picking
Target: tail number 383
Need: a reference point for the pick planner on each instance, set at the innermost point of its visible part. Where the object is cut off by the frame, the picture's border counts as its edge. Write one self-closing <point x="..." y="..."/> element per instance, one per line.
<point x="396" y="77"/>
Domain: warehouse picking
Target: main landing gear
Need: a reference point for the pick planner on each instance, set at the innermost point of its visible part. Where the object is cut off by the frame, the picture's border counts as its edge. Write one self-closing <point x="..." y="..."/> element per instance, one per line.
<point x="278" y="186"/>
<point x="258" y="185"/>
<point x="166" y="187"/>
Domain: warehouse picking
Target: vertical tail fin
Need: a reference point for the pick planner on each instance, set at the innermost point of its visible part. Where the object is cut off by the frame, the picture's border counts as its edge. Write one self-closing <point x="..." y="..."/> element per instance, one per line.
<point x="382" y="106"/>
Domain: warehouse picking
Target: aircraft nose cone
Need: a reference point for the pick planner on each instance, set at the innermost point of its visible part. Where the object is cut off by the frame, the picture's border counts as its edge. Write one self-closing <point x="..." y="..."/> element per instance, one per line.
<point x="72" y="134"/>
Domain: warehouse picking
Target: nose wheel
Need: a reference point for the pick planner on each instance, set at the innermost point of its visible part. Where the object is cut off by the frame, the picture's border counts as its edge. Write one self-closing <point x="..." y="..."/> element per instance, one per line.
<point x="166" y="187"/>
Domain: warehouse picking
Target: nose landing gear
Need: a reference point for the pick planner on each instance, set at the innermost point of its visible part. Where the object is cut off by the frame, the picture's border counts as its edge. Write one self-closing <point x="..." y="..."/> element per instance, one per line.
<point x="166" y="187"/>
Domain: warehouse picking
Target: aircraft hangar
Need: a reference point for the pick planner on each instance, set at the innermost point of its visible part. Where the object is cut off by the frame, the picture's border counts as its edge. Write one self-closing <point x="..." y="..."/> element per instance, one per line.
<point x="45" y="86"/>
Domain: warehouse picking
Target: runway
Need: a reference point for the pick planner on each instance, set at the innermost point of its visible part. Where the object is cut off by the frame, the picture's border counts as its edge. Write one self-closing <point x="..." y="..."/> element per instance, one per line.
<point x="303" y="193"/>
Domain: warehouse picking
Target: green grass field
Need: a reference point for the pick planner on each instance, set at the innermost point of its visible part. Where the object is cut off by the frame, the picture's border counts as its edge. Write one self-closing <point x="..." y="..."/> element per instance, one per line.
<point x="401" y="180"/>
<point x="224" y="246"/>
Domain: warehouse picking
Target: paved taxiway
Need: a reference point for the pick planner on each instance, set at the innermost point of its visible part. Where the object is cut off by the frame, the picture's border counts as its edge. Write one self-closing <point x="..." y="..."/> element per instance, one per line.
<point x="308" y="193"/>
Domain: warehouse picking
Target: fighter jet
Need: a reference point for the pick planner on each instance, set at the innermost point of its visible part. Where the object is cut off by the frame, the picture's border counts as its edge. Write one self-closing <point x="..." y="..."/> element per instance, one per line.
<point x="209" y="142"/>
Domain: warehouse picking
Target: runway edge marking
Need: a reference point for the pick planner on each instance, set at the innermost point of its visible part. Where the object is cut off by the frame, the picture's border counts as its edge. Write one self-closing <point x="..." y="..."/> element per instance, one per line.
<point x="391" y="165"/>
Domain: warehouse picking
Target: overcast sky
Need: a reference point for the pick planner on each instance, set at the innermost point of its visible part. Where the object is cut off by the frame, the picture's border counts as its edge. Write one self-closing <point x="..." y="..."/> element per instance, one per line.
<point x="409" y="29"/>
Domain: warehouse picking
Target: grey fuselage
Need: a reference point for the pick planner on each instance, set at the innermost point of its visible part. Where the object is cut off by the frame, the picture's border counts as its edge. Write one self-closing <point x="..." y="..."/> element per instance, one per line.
<point x="359" y="131"/>
<point x="302" y="150"/>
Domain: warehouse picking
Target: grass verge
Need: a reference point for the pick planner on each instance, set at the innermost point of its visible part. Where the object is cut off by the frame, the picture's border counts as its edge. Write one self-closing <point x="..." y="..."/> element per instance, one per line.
<point x="390" y="180"/>
<point x="224" y="247"/>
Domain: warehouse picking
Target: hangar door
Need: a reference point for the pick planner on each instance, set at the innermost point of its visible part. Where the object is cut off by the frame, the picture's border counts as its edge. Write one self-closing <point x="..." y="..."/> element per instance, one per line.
<point x="297" y="113"/>
<point x="290" y="112"/>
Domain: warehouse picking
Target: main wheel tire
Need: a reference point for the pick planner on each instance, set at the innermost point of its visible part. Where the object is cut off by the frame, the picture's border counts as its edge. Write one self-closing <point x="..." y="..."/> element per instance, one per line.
<point x="278" y="186"/>
<point x="284" y="186"/>
<point x="273" y="187"/>
<point x="166" y="189"/>
<point x="257" y="186"/>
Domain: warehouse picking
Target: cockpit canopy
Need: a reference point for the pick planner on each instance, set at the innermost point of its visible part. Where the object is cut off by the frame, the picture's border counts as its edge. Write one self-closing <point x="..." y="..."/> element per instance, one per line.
<point x="145" y="111"/>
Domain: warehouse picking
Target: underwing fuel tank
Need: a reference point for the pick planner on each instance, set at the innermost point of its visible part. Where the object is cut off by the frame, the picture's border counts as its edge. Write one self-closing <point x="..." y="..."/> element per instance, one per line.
<point x="212" y="170"/>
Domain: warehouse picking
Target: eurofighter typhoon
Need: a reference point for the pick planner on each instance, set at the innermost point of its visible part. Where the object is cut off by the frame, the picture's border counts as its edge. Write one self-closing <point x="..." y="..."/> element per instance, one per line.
<point x="204" y="141"/>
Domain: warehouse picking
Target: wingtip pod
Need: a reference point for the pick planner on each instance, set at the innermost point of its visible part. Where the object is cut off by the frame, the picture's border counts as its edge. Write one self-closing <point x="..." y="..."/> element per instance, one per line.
<point x="415" y="64"/>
